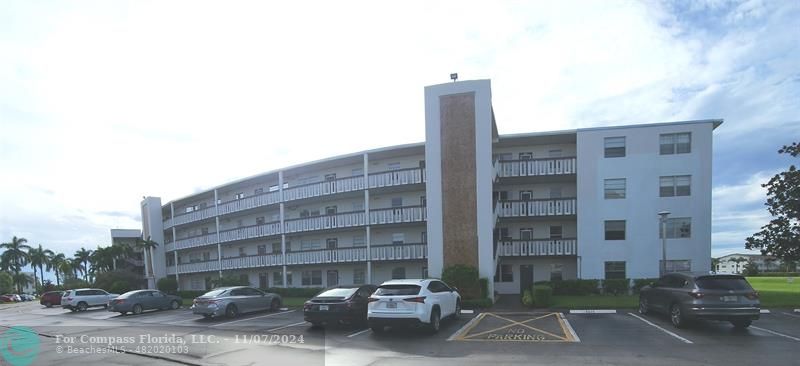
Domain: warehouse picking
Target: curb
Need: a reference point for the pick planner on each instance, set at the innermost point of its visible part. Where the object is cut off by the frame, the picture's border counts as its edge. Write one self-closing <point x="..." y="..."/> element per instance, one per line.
<point x="593" y="311"/>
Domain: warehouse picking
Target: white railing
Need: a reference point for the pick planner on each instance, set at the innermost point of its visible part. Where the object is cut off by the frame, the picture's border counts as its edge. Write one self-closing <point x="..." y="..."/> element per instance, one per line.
<point x="545" y="207"/>
<point x="398" y="251"/>
<point x="537" y="167"/>
<point x="249" y="232"/>
<point x="167" y="223"/>
<point x="170" y="270"/>
<point x="247" y="203"/>
<point x="168" y="247"/>
<point x="340" y="185"/>
<point x="193" y="216"/>
<point x="135" y="262"/>
<point x="397" y="215"/>
<point x="338" y="255"/>
<point x="206" y="266"/>
<point x="537" y="247"/>
<point x="196" y="241"/>
<point x="264" y="260"/>
<point x="397" y="177"/>
<point x="340" y="220"/>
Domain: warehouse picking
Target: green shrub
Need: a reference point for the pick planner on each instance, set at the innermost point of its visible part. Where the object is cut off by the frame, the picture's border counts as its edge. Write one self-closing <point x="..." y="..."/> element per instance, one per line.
<point x="6" y="282"/>
<point x="168" y="285"/>
<point x="574" y="287"/>
<point x="476" y="304"/>
<point x="642" y="282"/>
<point x="119" y="287"/>
<point x="129" y="280"/>
<point x="76" y="283"/>
<point x="618" y="286"/>
<point x="542" y="296"/>
<point x="229" y="280"/>
<point x="484" y="285"/>
<point x="465" y="278"/>
<point x="778" y="274"/>
<point x="306" y="292"/>
<point x="191" y="294"/>
<point x="527" y="298"/>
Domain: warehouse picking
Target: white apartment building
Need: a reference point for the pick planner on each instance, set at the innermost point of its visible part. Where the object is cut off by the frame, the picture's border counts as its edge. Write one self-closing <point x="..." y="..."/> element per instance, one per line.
<point x="735" y="263"/>
<point x="521" y="208"/>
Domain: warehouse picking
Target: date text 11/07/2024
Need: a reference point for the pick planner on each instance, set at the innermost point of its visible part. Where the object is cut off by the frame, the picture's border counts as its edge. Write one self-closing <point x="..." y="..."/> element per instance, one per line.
<point x="268" y="339"/>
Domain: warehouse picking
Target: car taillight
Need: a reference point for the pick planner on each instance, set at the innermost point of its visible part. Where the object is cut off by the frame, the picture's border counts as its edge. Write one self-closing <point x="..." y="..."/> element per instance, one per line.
<point x="696" y="295"/>
<point x="307" y="306"/>
<point x="752" y="295"/>
<point x="348" y="304"/>
<point x="372" y="299"/>
<point x="420" y="299"/>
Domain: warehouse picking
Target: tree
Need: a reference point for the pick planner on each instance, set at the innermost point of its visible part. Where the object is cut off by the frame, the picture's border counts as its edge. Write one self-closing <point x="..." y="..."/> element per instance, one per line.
<point x="40" y="257"/>
<point x="56" y="263"/>
<point x="22" y="280"/>
<point x="168" y="285"/>
<point x="147" y="245"/>
<point x="82" y="257"/>
<point x="750" y="268"/>
<point x="714" y="264"/>
<point x="781" y="236"/>
<point x="16" y="255"/>
<point x="6" y="282"/>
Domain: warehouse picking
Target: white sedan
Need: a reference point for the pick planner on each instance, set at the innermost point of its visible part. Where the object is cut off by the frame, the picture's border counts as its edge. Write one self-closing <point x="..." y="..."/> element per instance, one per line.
<point x="412" y="302"/>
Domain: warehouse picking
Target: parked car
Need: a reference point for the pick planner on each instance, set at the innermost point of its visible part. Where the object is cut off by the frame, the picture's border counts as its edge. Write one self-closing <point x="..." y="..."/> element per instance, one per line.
<point x="688" y="296"/>
<point x="341" y="304"/>
<point x="7" y="298"/>
<point x="235" y="300"/>
<point x="14" y="297"/>
<point x="82" y="299"/>
<point x="412" y="302"/>
<point x="50" y="298"/>
<point x="141" y="300"/>
<point x="27" y="297"/>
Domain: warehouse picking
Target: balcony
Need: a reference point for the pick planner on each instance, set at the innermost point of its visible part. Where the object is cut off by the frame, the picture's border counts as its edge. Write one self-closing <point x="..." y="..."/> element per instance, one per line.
<point x="537" y="247"/>
<point x="399" y="251"/>
<point x="195" y="241"/>
<point x="188" y="217"/>
<point x="250" y="232"/>
<point x="536" y="167"/>
<point x="339" y="220"/>
<point x="247" y="203"/>
<point x="251" y="261"/>
<point x="397" y="215"/>
<point x="397" y="177"/>
<point x="537" y="208"/>
<point x="338" y="255"/>
<point x="340" y="185"/>
<point x="204" y="266"/>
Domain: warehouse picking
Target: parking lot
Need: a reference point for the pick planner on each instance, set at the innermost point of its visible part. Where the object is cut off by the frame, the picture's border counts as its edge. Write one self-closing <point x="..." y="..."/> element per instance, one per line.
<point x="497" y="337"/>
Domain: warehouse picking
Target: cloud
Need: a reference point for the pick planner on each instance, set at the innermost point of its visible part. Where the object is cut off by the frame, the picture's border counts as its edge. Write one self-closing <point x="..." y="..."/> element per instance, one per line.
<point x="738" y="212"/>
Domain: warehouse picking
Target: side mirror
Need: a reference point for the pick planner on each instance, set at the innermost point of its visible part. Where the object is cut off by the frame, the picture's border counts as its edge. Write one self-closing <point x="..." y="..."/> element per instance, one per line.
<point x="454" y="289"/>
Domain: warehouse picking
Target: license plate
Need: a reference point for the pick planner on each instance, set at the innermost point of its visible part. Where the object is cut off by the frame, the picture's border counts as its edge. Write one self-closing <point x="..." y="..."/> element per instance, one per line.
<point x="323" y="308"/>
<point x="730" y="298"/>
<point x="391" y="305"/>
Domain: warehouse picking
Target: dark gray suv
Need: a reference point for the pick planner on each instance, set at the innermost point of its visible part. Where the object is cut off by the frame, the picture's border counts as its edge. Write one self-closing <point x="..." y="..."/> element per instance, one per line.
<point x="686" y="296"/>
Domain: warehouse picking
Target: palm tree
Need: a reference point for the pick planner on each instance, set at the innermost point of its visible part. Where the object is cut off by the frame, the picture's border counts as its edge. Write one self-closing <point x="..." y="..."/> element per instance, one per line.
<point x="22" y="280"/>
<point x="56" y="260"/>
<point x="82" y="256"/>
<point x="16" y="255"/>
<point x="147" y="245"/>
<point x="40" y="257"/>
<point x="77" y="267"/>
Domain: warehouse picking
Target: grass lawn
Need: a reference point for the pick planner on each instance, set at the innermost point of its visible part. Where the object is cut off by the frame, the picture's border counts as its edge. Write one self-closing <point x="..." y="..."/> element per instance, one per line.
<point x="777" y="291"/>
<point x="290" y="302"/>
<point x="595" y="302"/>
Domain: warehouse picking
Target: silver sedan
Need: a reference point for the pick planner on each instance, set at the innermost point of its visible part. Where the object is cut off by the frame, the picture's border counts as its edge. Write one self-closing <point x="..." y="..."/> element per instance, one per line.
<point x="232" y="301"/>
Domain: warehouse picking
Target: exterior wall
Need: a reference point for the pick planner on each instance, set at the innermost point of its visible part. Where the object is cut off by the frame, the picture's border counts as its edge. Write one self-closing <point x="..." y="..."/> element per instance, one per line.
<point x="541" y="229"/>
<point x="541" y="271"/>
<point x="642" y="166"/>
<point x="539" y="190"/>
<point x="153" y="228"/>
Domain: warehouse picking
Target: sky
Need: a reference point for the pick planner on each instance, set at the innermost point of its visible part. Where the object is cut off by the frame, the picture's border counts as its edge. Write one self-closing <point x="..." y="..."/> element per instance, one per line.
<point x="104" y="102"/>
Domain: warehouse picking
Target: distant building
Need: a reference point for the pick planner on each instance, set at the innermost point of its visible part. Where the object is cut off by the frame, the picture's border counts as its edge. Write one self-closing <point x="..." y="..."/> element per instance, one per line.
<point x="735" y="263"/>
<point x="30" y="288"/>
<point x="128" y="237"/>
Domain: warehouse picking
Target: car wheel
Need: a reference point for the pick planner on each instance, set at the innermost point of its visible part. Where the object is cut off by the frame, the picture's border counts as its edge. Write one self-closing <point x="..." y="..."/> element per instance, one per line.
<point x="47" y="304"/>
<point x="105" y="306"/>
<point x="377" y="328"/>
<point x="123" y="313"/>
<point x="231" y="311"/>
<point x="458" y="309"/>
<point x="206" y="316"/>
<point x="436" y="321"/>
<point x="174" y="305"/>
<point x="643" y="307"/>
<point x="137" y="309"/>
<point x="741" y="323"/>
<point x="275" y="305"/>
<point x="676" y="316"/>
<point x="82" y="306"/>
<point x="73" y="310"/>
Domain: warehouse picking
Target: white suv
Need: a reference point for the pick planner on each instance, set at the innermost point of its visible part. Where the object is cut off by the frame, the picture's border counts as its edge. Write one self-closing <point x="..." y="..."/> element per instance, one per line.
<point x="412" y="302"/>
<point x="84" y="298"/>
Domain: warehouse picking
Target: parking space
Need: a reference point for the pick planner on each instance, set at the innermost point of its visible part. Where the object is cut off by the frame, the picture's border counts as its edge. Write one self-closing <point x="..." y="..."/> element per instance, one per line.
<point x="517" y="327"/>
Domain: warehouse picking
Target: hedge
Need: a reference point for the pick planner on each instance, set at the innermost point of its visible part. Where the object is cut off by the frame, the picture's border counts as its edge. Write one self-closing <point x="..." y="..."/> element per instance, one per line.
<point x="476" y="304"/>
<point x="527" y="298"/>
<point x="304" y="292"/>
<point x="638" y="283"/>
<point x="777" y="274"/>
<point x="618" y="286"/>
<point x="572" y="287"/>
<point x="465" y="278"/>
<point x="542" y="296"/>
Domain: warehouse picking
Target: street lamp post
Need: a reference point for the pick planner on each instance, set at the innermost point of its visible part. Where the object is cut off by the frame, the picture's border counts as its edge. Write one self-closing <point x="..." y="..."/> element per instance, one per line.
<point x="663" y="219"/>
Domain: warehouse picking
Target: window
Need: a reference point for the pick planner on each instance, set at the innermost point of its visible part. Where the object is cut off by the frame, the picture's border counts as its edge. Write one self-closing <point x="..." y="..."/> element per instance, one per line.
<point x="262" y="280"/>
<point x="398" y="238"/>
<point x="277" y="279"/>
<point x="678" y="265"/>
<point x="614" y="188"/>
<point x="170" y="260"/>
<point x="436" y="286"/>
<point x="206" y="256"/>
<point x="505" y="273"/>
<point x="204" y="230"/>
<point x="525" y="156"/>
<point x="615" y="270"/>
<point x="309" y="244"/>
<point x="194" y="257"/>
<point x="359" y="276"/>
<point x="555" y="192"/>
<point x="288" y="247"/>
<point x="500" y="195"/>
<point x="331" y="243"/>
<point x="311" y="278"/>
<point x="677" y="227"/>
<point x="196" y="284"/>
<point x="314" y="213"/>
<point x="242" y="252"/>
<point x="238" y="196"/>
<point x="399" y="273"/>
<point x="556" y="232"/>
<point x="258" y="191"/>
<point x="303" y="214"/>
<point x="239" y="223"/>
<point x="675" y="185"/>
<point x="397" y="201"/>
<point x="260" y="220"/>
<point x="358" y="241"/>
<point x="276" y="248"/>
<point x="556" y="272"/>
<point x="330" y="177"/>
<point x="615" y="229"/>
<point x="274" y="188"/>
<point x="526" y="234"/>
<point x="525" y="195"/>
<point x="393" y="166"/>
<point x="333" y="278"/>
<point x="615" y="147"/>
<point x="203" y="205"/>
<point x="190" y="208"/>
<point x="244" y="279"/>
<point x="676" y="143"/>
<point x="262" y="249"/>
<point x="422" y="164"/>
<point x="331" y="210"/>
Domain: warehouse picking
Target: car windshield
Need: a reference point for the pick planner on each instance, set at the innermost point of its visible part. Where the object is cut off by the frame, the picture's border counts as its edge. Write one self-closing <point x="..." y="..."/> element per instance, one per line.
<point x="390" y="290"/>
<point x="338" y="292"/>
<point x="723" y="283"/>
<point x="215" y="293"/>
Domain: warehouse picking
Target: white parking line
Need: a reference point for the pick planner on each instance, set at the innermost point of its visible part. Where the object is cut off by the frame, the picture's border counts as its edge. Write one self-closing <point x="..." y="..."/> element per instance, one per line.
<point x="792" y="315"/>
<point x="466" y="327"/>
<point x="359" y="332"/>
<point x="775" y="333"/>
<point x="287" y="326"/>
<point x="684" y="340"/>
<point x="255" y="317"/>
<point x="764" y="311"/>
<point x="569" y="327"/>
<point x="593" y="311"/>
<point x="467" y="311"/>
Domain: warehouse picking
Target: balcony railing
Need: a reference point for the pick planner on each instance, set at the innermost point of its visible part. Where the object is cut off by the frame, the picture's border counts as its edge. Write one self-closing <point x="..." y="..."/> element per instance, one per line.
<point x="249" y="232"/>
<point x="338" y="255"/>
<point x="339" y="220"/>
<point x="539" y="207"/>
<point x="397" y="177"/>
<point x="193" y="216"/>
<point x="169" y="246"/>
<point x="196" y="241"/>
<point x="247" y="203"/>
<point x="204" y="266"/>
<point x="397" y="215"/>
<point x="399" y="251"/>
<point x="340" y="185"/>
<point x="264" y="260"/>
<point x="537" y="167"/>
<point x="537" y="247"/>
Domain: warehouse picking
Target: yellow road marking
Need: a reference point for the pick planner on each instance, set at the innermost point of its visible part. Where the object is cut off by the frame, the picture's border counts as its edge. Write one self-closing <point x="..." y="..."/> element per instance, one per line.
<point x="515" y="323"/>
